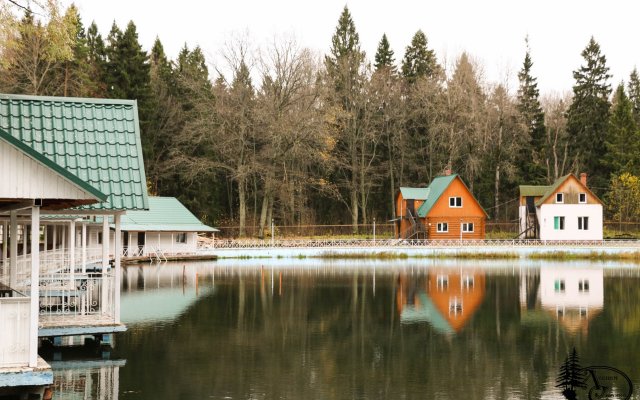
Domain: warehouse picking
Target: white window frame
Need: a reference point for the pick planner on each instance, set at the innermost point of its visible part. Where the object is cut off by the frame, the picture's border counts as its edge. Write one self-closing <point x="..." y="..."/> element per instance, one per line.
<point x="559" y="286"/>
<point x="559" y="198"/>
<point x="580" y="195"/>
<point x="465" y="227"/>
<point x="583" y="286"/>
<point x="442" y="227"/>
<point x="455" y="202"/>
<point x="581" y="223"/>
<point x="442" y="282"/>
<point x="468" y="282"/>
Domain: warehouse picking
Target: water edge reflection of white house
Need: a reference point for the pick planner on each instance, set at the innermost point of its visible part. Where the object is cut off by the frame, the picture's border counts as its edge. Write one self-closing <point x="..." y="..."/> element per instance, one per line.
<point x="63" y="161"/>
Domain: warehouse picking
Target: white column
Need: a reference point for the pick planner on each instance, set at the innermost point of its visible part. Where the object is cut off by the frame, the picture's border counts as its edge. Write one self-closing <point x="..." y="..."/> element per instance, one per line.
<point x="105" y="243"/>
<point x="5" y="235"/>
<point x="117" y="252"/>
<point x="13" y="267"/>
<point x="55" y="237"/>
<point x="35" y="286"/>
<point x="45" y="237"/>
<point x="72" y="249"/>
<point x="84" y="248"/>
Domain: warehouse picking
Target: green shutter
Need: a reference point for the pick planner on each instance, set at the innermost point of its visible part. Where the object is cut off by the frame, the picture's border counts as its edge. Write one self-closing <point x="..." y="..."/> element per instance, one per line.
<point x="556" y="223"/>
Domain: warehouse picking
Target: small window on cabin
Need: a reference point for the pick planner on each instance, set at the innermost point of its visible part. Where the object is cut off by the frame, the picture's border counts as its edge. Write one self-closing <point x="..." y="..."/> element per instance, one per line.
<point x="443" y="227"/>
<point x="455" y="306"/>
<point x="467" y="227"/>
<point x="558" y="223"/>
<point x="559" y="197"/>
<point x="558" y="286"/>
<point x="181" y="238"/>
<point x="442" y="282"/>
<point x="582" y="198"/>
<point x="583" y="223"/>
<point x="99" y="237"/>
<point x="467" y="282"/>
<point x="583" y="286"/>
<point x="455" y="202"/>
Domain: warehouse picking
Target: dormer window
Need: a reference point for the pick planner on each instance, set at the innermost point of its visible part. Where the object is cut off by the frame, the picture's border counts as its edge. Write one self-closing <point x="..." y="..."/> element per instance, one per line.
<point x="582" y="198"/>
<point x="455" y="202"/>
<point x="559" y="197"/>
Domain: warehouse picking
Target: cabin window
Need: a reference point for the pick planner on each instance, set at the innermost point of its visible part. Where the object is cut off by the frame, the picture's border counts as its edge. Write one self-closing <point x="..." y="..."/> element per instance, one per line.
<point x="455" y="202"/>
<point x="455" y="306"/>
<point x="443" y="227"/>
<point x="558" y="223"/>
<point x="467" y="282"/>
<point x="583" y="223"/>
<point x="442" y="281"/>
<point x="559" y="197"/>
<point x="181" y="238"/>
<point x="583" y="286"/>
<point x="558" y="286"/>
<point x="582" y="198"/>
<point x="99" y="237"/>
<point x="467" y="227"/>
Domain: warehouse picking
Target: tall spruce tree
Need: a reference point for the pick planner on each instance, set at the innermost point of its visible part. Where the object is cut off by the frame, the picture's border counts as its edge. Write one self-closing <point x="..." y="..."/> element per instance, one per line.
<point x="623" y="142"/>
<point x="588" y="115"/>
<point x="634" y="94"/>
<point x="532" y="116"/>
<point x="384" y="56"/>
<point x="419" y="61"/>
<point x="97" y="58"/>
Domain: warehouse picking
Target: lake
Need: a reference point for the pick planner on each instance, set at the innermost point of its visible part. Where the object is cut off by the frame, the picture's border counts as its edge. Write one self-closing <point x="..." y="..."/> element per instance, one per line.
<point x="407" y="329"/>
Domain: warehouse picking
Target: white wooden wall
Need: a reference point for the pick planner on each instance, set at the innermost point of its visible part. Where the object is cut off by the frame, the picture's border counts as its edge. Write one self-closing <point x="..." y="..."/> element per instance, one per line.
<point x="25" y="178"/>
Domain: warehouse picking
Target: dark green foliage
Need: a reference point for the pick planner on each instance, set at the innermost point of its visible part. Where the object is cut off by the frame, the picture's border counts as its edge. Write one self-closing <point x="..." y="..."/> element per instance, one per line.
<point x="419" y="61"/>
<point x="384" y="56"/>
<point x="634" y="94"/>
<point x="623" y="143"/>
<point x="345" y="59"/>
<point x="531" y="160"/>
<point x="588" y="114"/>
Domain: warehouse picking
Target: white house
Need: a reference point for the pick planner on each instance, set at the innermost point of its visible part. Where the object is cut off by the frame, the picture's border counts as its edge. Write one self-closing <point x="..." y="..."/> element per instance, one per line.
<point x="566" y="210"/>
<point x="63" y="161"/>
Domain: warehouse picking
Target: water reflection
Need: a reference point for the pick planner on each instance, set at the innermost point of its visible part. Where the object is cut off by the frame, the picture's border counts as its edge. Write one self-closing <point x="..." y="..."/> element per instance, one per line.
<point x="336" y="330"/>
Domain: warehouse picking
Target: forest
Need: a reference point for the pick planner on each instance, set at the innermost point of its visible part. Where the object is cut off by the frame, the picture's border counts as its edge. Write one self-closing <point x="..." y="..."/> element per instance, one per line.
<point x="284" y="133"/>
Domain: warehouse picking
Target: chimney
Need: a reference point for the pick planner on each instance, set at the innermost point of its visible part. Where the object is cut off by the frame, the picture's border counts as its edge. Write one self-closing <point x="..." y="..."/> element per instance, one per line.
<point x="447" y="172"/>
<point x="583" y="178"/>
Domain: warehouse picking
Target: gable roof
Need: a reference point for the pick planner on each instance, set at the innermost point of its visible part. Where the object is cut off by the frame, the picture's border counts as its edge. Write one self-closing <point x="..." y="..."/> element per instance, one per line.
<point x="165" y="214"/>
<point x="97" y="141"/>
<point x="438" y="185"/>
<point x="554" y="187"/>
<point x="410" y="193"/>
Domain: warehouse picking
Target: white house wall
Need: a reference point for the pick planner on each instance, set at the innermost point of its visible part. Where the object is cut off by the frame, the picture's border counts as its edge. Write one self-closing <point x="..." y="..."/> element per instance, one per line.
<point x="25" y="178"/>
<point x="165" y="241"/>
<point x="571" y="297"/>
<point x="571" y="212"/>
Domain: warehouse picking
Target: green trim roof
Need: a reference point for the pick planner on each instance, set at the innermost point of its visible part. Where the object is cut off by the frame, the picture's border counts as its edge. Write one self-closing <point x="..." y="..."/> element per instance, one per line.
<point x="26" y="149"/>
<point x="552" y="189"/>
<point x="165" y="214"/>
<point x="409" y="193"/>
<point x="531" y="190"/>
<point x="96" y="141"/>
<point x="438" y="185"/>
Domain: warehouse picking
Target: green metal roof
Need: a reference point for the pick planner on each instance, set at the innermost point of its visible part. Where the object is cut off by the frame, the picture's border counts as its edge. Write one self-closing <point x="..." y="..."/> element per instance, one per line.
<point x="409" y="193"/>
<point x="97" y="141"/>
<point x="552" y="189"/>
<point x="438" y="185"/>
<point x="531" y="190"/>
<point x="165" y="214"/>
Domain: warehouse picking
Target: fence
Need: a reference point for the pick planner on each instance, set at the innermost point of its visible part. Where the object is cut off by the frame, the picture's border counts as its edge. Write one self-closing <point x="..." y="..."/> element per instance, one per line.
<point x="386" y="230"/>
<point x="14" y="332"/>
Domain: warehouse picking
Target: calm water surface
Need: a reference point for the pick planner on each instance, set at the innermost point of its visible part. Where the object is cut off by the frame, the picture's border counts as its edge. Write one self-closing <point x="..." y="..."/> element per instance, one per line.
<point x="313" y="330"/>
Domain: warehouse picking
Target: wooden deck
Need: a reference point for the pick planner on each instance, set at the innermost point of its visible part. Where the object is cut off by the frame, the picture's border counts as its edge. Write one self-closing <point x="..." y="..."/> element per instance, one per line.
<point x="170" y="257"/>
<point x="71" y="325"/>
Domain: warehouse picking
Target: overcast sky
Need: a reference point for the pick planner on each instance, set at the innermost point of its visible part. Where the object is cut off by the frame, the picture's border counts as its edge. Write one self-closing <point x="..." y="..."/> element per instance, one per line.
<point x="491" y="31"/>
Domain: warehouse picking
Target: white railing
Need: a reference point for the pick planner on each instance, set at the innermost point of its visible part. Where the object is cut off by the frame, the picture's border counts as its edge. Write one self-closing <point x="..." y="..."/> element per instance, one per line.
<point x="14" y="331"/>
<point x="133" y="251"/>
<point x="67" y="298"/>
<point x="402" y="243"/>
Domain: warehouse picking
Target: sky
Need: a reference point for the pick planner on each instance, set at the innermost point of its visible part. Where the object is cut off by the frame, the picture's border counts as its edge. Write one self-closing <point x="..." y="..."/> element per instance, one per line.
<point x="492" y="31"/>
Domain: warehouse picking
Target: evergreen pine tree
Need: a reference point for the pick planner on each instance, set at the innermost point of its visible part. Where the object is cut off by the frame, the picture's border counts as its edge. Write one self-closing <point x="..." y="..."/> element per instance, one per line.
<point x="419" y="61"/>
<point x="345" y="59"/>
<point x="634" y="94"/>
<point x="623" y="144"/>
<point x="384" y="56"/>
<point x="97" y="58"/>
<point x="588" y="115"/>
<point x="530" y="110"/>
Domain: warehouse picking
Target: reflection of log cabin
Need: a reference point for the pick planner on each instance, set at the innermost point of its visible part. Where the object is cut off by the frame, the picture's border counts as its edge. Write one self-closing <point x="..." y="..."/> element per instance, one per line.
<point x="447" y="299"/>
<point x="445" y="210"/>
<point x="573" y="295"/>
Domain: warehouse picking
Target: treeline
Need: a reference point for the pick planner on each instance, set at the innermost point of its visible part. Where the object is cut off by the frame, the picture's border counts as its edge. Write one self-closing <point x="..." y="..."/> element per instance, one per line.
<point x="287" y="135"/>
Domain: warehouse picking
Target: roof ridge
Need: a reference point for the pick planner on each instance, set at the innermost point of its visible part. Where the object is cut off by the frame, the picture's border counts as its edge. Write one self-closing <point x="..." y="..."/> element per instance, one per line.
<point x="60" y="99"/>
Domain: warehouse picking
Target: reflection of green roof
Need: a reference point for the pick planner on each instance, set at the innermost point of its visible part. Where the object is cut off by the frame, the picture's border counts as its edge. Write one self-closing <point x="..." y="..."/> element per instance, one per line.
<point x="164" y="214"/>
<point x="531" y="190"/>
<point x="96" y="141"/>
<point x="414" y="193"/>
<point x="165" y="304"/>
<point x="427" y="312"/>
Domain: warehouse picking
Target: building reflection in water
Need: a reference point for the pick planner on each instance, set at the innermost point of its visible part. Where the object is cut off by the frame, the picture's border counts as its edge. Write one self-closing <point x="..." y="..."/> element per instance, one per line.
<point x="572" y="296"/>
<point x="446" y="298"/>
